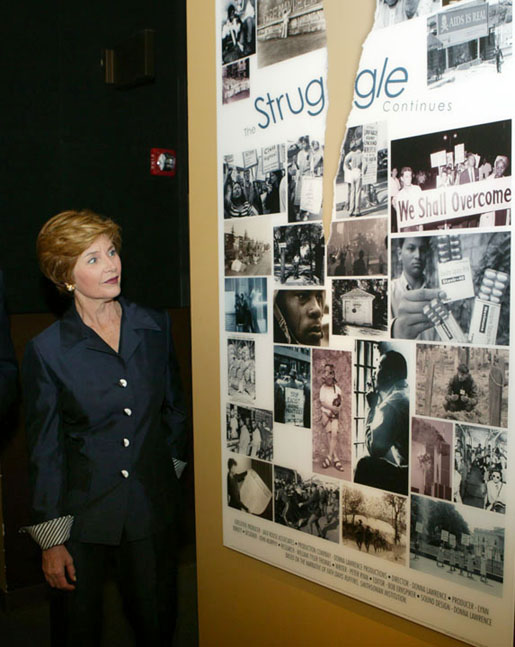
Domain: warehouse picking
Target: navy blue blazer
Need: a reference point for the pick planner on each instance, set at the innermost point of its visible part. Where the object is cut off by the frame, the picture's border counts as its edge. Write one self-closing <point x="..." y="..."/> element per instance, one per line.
<point x="8" y="363"/>
<point x="103" y="427"/>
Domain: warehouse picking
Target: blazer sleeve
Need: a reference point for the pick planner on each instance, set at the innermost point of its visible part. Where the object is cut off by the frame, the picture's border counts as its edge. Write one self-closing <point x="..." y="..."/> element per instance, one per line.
<point x="47" y="469"/>
<point x="8" y="364"/>
<point x="174" y="413"/>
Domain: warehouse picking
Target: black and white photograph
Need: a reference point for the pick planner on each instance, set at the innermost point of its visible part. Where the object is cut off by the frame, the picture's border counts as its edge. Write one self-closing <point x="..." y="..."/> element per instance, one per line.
<point x="332" y="413"/>
<point x="380" y="434"/>
<point x="236" y="81"/>
<point x="301" y="317"/>
<point x="307" y="502"/>
<point x="246" y="305"/>
<point x="249" y="486"/>
<point x="361" y="186"/>
<point x="392" y="12"/>
<point x="375" y="523"/>
<point x="241" y="369"/>
<point x="292" y="386"/>
<point x="433" y="179"/>
<point x="255" y="182"/>
<point x="451" y="288"/>
<point x="305" y="178"/>
<point x="238" y="29"/>
<point x="250" y="432"/>
<point x="463" y="383"/>
<point x="431" y="458"/>
<point x="299" y="255"/>
<point x="470" y="39"/>
<point x="358" y="248"/>
<point x="480" y="467"/>
<point x="457" y="544"/>
<point x="360" y="307"/>
<point x="288" y="28"/>
<point x="248" y="248"/>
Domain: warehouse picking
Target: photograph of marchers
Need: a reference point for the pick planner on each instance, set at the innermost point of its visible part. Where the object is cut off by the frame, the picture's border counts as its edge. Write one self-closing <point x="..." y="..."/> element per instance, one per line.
<point x="360" y="307"/>
<point x="358" y="248"/>
<point x="301" y="317"/>
<point x="380" y="434"/>
<point x="236" y="81"/>
<point x="480" y="467"/>
<point x="391" y="12"/>
<point x="299" y="255"/>
<point x="241" y="369"/>
<point x="250" y="432"/>
<point x="292" y="386"/>
<point x="469" y="40"/>
<point x="332" y="413"/>
<point x="288" y="28"/>
<point x="249" y="486"/>
<point x="254" y="182"/>
<point x="361" y="186"/>
<point x="442" y="161"/>
<point x="457" y="544"/>
<point x="374" y="523"/>
<point x="307" y="502"/>
<point x="305" y="178"/>
<point x="451" y="288"/>
<point x="246" y="305"/>
<point x="431" y="458"/>
<point x="248" y="247"/>
<point x="238" y="29"/>
<point x="463" y="383"/>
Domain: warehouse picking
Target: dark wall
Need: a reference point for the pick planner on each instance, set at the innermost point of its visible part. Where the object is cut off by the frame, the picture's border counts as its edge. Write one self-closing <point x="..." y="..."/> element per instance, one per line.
<point x="70" y="141"/>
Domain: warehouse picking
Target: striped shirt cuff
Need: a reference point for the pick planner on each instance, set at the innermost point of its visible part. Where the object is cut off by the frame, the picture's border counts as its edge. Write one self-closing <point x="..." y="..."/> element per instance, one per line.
<point x="179" y="467"/>
<point x="50" y="533"/>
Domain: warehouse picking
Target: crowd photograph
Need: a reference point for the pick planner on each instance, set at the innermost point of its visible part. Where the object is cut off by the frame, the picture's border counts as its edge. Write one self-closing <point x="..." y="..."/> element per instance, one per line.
<point x="250" y="432"/>
<point x="392" y="12"/>
<point x="248" y="248"/>
<point x="358" y="248"/>
<point x="241" y="369"/>
<point x="308" y="503"/>
<point x="238" y="29"/>
<point x="299" y="252"/>
<point x="236" y="81"/>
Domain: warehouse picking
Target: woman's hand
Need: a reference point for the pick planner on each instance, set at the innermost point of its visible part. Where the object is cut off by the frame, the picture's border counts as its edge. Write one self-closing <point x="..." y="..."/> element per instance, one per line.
<point x="57" y="564"/>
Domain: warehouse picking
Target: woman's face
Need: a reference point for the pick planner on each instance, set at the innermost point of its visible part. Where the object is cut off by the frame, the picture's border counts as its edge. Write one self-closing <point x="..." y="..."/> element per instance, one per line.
<point x="98" y="270"/>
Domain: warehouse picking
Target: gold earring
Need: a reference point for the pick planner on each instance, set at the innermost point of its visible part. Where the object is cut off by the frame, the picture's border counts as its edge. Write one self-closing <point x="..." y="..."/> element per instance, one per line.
<point x="69" y="287"/>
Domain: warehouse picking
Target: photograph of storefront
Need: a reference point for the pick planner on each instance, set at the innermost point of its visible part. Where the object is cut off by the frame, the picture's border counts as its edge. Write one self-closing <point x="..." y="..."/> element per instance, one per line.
<point x="469" y="38"/>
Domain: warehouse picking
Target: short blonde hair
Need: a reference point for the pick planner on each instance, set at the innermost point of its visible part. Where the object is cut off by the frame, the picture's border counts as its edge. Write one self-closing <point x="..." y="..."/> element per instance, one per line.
<point x="64" y="237"/>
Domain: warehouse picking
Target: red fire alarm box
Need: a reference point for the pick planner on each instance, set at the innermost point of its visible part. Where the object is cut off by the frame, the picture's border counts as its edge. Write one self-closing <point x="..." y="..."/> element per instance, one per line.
<point x="162" y="161"/>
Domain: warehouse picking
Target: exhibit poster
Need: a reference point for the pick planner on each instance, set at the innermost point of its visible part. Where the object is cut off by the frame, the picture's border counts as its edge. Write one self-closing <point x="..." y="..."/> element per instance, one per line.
<point x="365" y="370"/>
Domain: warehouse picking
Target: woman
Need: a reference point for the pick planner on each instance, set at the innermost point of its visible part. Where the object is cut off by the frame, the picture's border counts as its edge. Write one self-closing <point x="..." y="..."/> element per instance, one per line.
<point x="106" y="426"/>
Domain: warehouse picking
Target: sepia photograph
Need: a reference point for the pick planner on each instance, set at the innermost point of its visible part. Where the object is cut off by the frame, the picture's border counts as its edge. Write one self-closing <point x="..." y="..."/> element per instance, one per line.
<point x="307" y="502"/>
<point x="236" y="81"/>
<point x="361" y="186"/>
<point x="374" y="523"/>
<point x="380" y="434"/>
<point x="392" y="12"/>
<point x="248" y="248"/>
<point x="469" y="40"/>
<point x="238" y="29"/>
<point x="241" y="369"/>
<point x="358" y="248"/>
<point x="255" y="182"/>
<point x="249" y="486"/>
<point x="464" y="383"/>
<point x="431" y="458"/>
<point x="305" y="178"/>
<point x="360" y="307"/>
<point x="250" y="432"/>
<point x="246" y="305"/>
<point x="299" y="255"/>
<point x="292" y="386"/>
<point x="332" y="413"/>
<point x="288" y="28"/>
<point x="301" y="317"/>
<point x="438" y="179"/>
<point x="457" y="544"/>
<point x="480" y="467"/>
<point x="451" y="288"/>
